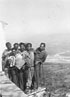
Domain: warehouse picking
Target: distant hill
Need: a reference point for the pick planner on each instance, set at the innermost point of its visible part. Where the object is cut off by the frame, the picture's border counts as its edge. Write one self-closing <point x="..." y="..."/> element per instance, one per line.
<point x="63" y="57"/>
<point x="56" y="43"/>
<point x="65" y="54"/>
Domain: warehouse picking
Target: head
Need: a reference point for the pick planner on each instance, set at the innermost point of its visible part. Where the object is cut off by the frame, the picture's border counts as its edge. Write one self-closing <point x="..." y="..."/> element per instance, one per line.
<point x="42" y="46"/>
<point x="29" y="46"/>
<point x="8" y="45"/>
<point x="22" y="46"/>
<point x="16" y="46"/>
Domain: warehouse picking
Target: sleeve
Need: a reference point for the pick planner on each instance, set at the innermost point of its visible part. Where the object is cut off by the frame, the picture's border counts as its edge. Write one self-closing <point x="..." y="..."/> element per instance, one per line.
<point x="3" y="55"/>
<point x="44" y="56"/>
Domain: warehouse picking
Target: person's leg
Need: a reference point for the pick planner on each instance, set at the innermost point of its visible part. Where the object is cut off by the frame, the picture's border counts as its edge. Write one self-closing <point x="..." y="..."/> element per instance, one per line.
<point x="15" y="76"/>
<point x="25" y="78"/>
<point x="21" y="80"/>
<point x="29" y="80"/>
<point x="7" y="65"/>
<point x="10" y="73"/>
<point x="33" y="81"/>
<point x="3" y="65"/>
<point x="33" y="78"/>
<point x="37" y="75"/>
<point x="40" y="74"/>
<point x="39" y="70"/>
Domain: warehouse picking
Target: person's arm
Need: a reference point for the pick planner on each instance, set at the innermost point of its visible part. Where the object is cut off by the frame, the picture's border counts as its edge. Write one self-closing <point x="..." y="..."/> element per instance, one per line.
<point x="44" y="56"/>
<point x="4" y="55"/>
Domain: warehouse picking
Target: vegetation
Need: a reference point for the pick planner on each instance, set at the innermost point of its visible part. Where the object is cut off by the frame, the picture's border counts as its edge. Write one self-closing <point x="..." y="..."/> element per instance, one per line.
<point x="56" y="78"/>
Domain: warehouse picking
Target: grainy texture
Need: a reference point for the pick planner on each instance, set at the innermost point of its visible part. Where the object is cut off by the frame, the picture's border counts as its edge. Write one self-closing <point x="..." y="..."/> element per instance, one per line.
<point x="9" y="89"/>
<point x="56" y="78"/>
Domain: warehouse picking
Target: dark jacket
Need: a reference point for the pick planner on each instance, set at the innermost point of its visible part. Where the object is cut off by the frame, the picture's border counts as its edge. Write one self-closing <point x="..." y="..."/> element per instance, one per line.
<point x="40" y="55"/>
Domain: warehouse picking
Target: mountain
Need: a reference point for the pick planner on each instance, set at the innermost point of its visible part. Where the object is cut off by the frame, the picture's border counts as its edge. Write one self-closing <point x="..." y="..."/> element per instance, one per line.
<point x="58" y="43"/>
<point x="55" y="43"/>
<point x="63" y="57"/>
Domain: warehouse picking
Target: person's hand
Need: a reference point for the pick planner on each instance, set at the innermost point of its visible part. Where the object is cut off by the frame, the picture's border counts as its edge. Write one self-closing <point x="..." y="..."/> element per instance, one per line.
<point x="6" y="70"/>
<point x="37" y="62"/>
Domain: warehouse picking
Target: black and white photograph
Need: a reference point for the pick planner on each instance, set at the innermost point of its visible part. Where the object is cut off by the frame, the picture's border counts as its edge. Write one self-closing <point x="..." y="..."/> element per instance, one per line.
<point x="34" y="48"/>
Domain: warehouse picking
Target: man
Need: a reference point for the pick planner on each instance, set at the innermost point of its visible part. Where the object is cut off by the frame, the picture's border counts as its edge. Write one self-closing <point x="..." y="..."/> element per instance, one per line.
<point x="30" y="64"/>
<point x="22" y="76"/>
<point x="15" y="49"/>
<point x="22" y="46"/>
<point x="5" y="56"/>
<point x="15" y="70"/>
<point x="40" y="57"/>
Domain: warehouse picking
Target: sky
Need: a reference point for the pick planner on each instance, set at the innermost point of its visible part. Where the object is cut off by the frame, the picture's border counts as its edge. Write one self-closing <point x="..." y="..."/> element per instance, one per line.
<point x="27" y="18"/>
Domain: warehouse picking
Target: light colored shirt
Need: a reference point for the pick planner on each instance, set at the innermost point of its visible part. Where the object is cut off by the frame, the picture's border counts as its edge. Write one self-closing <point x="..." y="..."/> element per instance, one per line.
<point x="19" y="61"/>
<point x="5" y="57"/>
<point x="6" y="54"/>
<point x="30" y="58"/>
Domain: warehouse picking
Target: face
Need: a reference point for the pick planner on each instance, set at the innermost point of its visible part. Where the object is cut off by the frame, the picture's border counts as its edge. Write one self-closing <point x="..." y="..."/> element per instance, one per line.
<point x="8" y="46"/>
<point x="29" y="47"/>
<point x="42" y="47"/>
<point x="16" y="46"/>
<point x="22" y="47"/>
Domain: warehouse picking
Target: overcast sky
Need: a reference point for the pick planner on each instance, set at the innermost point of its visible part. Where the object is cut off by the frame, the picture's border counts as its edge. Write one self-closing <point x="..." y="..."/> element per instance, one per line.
<point x="27" y="18"/>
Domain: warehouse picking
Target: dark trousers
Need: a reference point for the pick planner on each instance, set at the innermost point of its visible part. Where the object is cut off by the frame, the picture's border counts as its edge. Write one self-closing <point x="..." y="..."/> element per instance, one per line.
<point x="15" y="75"/>
<point x="10" y="73"/>
<point x="6" y="67"/>
<point x="22" y="79"/>
<point x="38" y="74"/>
<point x="19" y="77"/>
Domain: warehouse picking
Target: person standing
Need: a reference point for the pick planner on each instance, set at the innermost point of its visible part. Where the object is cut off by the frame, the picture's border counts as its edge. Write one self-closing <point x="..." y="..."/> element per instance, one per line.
<point x="40" y="57"/>
<point x="15" y="70"/>
<point x="30" y="63"/>
<point x="5" y="56"/>
<point x="22" y="76"/>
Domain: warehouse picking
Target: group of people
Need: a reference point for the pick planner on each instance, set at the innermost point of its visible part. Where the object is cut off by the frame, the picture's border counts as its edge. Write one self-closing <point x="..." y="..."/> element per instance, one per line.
<point x="23" y="64"/>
